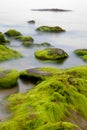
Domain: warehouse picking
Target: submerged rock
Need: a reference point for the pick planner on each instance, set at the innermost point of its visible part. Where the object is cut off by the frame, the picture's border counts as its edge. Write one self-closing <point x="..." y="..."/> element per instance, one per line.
<point x="51" y="54"/>
<point x="82" y="53"/>
<point x="27" y="44"/>
<point x="12" y="33"/>
<point x="7" y="53"/>
<point x="55" y="29"/>
<point x="8" y="78"/>
<point x="25" y="38"/>
<point x="31" y="44"/>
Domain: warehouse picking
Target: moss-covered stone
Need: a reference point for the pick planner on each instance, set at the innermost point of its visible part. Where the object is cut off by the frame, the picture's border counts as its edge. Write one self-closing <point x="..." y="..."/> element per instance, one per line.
<point x="82" y="53"/>
<point x="56" y="29"/>
<point x="2" y="39"/>
<point x="12" y="33"/>
<point x="8" y="78"/>
<point x="51" y="54"/>
<point x="31" y="44"/>
<point x="54" y="104"/>
<point x="25" y="38"/>
<point x="7" y="53"/>
<point x="28" y="44"/>
<point x="36" y="74"/>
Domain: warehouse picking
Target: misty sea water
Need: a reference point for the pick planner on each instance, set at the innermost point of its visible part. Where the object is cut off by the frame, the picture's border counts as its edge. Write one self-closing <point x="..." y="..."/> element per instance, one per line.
<point x="16" y="14"/>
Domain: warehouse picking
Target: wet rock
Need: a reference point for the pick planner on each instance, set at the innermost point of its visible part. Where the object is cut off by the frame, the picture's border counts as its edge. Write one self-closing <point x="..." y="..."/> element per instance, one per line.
<point x="8" y="78"/>
<point x="3" y="40"/>
<point x="31" y="44"/>
<point x="12" y="33"/>
<point x="34" y="75"/>
<point x="55" y="29"/>
<point x="51" y="54"/>
<point x="7" y="53"/>
<point x="24" y="38"/>
<point x="82" y="53"/>
<point x="31" y="21"/>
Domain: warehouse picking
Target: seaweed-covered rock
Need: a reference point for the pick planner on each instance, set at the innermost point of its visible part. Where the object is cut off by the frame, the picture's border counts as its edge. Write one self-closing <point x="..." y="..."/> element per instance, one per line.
<point x="36" y="74"/>
<point x="25" y="38"/>
<point x="31" y="21"/>
<point x="51" y="54"/>
<point x="2" y="39"/>
<point x="7" y="53"/>
<point x="82" y="53"/>
<point x="8" y="78"/>
<point x="12" y="33"/>
<point x="31" y="44"/>
<point x="56" y="29"/>
<point x="57" y="103"/>
<point x="27" y="44"/>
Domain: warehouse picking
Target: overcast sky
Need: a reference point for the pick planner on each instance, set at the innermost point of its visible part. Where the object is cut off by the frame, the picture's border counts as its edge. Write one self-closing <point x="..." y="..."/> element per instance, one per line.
<point x="31" y="4"/>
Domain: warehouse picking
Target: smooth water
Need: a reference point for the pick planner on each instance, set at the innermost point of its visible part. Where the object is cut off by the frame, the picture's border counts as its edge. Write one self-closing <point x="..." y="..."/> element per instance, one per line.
<point x="14" y="14"/>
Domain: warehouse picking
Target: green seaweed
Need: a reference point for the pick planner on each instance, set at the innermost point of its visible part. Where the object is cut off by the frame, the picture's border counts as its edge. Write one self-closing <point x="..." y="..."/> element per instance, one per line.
<point x="2" y="39"/>
<point x="51" y="54"/>
<point x="7" y="53"/>
<point x="25" y="38"/>
<point x="12" y="33"/>
<point x="8" y="78"/>
<point x="56" y="29"/>
<point x="82" y="53"/>
<point x="59" y="102"/>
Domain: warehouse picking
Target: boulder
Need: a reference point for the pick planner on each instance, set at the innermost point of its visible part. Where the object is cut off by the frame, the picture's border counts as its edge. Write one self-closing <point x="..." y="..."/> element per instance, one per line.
<point x="31" y="21"/>
<point x="8" y="78"/>
<point x="2" y="39"/>
<point x="12" y="33"/>
<point x="25" y="38"/>
<point x="36" y="74"/>
<point x="51" y="54"/>
<point x="55" y="29"/>
<point x="82" y="53"/>
<point x="7" y="53"/>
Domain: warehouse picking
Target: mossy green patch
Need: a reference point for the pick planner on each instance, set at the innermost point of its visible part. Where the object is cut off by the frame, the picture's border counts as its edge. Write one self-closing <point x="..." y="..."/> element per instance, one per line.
<point x="59" y="126"/>
<point x="8" y="78"/>
<point x="51" y="54"/>
<point x="2" y="39"/>
<point x="25" y="38"/>
<point x="12" y="33"/>
<point x="28" y="44"/>
<point x="56" y="29"/>
<point x="55" y="103"/>
<point x="7" y="53"/>
<point x="82" y="53"/>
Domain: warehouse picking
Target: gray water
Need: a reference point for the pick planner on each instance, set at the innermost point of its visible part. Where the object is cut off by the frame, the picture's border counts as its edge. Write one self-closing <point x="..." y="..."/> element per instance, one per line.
<point x="14" y="14"/>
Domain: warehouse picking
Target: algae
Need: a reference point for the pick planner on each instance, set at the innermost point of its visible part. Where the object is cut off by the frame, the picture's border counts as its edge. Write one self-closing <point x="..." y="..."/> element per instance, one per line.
<point x="12" y="33"/>
<point x="55" y="29"/>
<point x="56" y="103"/>
<point x="8" y="78"/>
<point x="51" y="54"/>
<point x="7" y="53"/>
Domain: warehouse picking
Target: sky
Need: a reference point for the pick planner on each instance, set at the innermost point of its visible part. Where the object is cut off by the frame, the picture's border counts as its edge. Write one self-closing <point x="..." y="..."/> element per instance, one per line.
<point x="22" y="4"/>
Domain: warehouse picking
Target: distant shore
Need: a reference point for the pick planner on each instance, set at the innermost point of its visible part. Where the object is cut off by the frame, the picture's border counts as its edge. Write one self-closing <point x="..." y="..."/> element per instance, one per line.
<point x="53" y="9"/>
